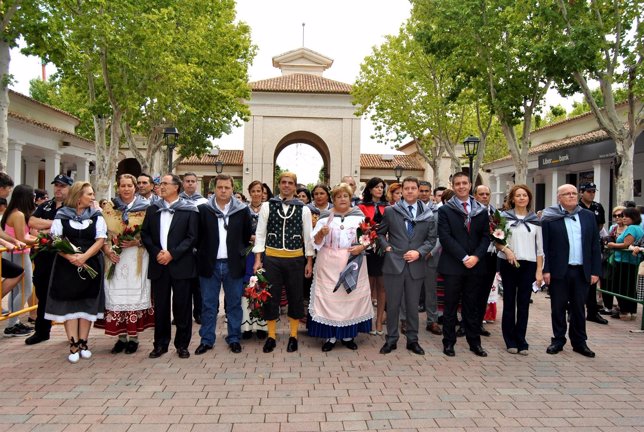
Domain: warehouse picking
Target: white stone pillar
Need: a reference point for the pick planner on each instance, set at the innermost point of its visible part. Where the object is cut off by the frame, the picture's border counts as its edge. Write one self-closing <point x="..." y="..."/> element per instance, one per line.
<point x="557" y="179"/>
<point x="601" y="173"/>
<point x="14" y="161"/>
<point x="52" y="169"/>
<point x="497" y="193"/>
<point x="32" y="165"/>
<point x="82" y="169"/>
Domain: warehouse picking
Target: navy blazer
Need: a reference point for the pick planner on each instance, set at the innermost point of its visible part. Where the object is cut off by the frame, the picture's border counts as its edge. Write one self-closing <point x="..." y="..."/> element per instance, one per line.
<point x="240" y="229"/>
<point x="182" y="238"/>
<point x="556" y="246"/>
<point x="457" y="242"/>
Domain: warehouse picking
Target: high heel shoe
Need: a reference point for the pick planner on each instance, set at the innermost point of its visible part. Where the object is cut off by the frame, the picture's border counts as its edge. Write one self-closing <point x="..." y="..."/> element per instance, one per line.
<point x="84" y="351"/>
<point x="74" y="351"/>
<point x="376" y="332"/>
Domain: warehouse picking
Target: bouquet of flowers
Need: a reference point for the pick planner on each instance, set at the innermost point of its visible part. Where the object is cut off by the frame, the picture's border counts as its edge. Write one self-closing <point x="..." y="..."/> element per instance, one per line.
<point x="367" y="235"/>
<point x="129" y="233"/>
<point x="50" y="243"/>
<point x="499" y="230"/>
<point x="257" y="292"/>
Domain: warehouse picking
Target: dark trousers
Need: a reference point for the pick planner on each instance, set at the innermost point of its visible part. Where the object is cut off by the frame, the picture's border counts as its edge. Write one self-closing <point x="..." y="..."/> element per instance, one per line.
<point x="41" y="284"/>
<point x="486" y="285"/>
<point x="401" y="288"/>
<point x="166" y="291"/>
<point x="607" y="299"/>
<point x="517" y="289"/>
<point x="464" y="288"/>
<point x="591" y="301"/>
<point x="569" y="292"/>
<point x="195" y="290"/>
<point x="288" y="273"/>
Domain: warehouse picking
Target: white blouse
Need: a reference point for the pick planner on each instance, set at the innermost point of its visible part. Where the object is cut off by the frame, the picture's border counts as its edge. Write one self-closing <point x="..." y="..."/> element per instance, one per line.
<point x="526" y="245"/>
<point x="101" y="226"/>
<point x="342" y="234"/>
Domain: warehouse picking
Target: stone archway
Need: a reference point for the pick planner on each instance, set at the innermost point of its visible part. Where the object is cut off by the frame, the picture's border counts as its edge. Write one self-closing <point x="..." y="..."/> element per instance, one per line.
<point x="304" y="137"/>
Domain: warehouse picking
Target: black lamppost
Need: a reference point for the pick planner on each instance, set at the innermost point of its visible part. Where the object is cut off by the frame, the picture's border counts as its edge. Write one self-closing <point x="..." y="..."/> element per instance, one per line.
<point x="219" y="167"/>
<point x="170" y="135"/>
<point x="398" y="171"/>
<point x="471" y="144"/>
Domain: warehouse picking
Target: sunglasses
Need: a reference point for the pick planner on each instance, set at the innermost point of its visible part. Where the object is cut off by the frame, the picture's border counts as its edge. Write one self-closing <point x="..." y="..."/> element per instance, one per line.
<point x="618" y="215"/>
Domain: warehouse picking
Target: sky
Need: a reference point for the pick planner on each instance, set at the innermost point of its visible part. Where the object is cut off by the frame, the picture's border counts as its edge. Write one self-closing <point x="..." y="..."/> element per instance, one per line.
<point x="343" y="30"/>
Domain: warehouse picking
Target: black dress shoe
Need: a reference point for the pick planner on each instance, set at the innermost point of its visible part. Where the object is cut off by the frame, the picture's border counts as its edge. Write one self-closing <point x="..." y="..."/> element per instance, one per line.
<point x="479" y="351"/>
<point x="387" y="348"/>
<point x="484" y="332"/>
<point x="269" y="345"/>
<point x="328" y="346"/>
<point x="415" y="348"/>
<point x="448" y="350"/>
<point x="554" y="349"/>
<point x="584" y="350"/>
<point x="460" y="332"/>
<point x="36" y="338"/>
<point x="158" y="352"/>
<point x="202" y="348"/>
<point x="291" y="346"/>
<point x="351" y="344"/>
<point x="131" y="347"/>
<point x="247" y="334"/>
<point x="183" y="353"/>
<point x="597" y="318"/>
<point x="434" y="328"/>
<point x="261" y="334"/>
<point x="235" y="347"/>
<point x="198" y="319"/>
<point x="604" y="311"/>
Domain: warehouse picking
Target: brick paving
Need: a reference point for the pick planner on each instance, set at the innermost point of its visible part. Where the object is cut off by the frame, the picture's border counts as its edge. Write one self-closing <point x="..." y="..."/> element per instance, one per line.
<point x="337" y="391"/>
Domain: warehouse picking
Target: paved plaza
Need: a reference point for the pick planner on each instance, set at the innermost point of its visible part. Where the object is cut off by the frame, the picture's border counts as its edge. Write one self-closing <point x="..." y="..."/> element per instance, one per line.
<point x="336" y="391"/>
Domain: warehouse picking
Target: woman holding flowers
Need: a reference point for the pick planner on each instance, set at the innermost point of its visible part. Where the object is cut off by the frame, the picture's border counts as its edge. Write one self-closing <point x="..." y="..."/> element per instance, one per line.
<point x="520" y="245"/>
<point x="336" y="310"/>
<point x="75" y="294"/>
<point x="128" y="306"/>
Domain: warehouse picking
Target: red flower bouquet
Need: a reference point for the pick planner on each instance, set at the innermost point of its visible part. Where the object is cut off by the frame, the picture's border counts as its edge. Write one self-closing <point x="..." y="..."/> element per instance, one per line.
<point x="257" y="292"/>
<point x="367" y="235"/>
<point x="129" y="233"/>
<point x="50" y="243"/>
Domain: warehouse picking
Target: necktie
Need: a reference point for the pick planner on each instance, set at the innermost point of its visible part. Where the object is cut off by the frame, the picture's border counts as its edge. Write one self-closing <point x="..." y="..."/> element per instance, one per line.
<point x="466" y="212"/>
<point x="410" y="223"/>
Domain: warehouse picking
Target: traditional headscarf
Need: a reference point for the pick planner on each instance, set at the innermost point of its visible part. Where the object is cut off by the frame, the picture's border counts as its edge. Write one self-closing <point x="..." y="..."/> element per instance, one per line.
<point x="139" y="204"/>
<point x="293" y="201"/>
<point x="557" y="212"/>
<point x="179" y="205"/>
<point x="457" y="204"/>
<point x="68" y="213"/>
<point x="531" y="218"/>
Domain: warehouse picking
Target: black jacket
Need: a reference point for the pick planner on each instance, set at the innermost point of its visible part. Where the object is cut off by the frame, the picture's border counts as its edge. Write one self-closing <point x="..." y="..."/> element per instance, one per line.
<point x="457" y="242"/>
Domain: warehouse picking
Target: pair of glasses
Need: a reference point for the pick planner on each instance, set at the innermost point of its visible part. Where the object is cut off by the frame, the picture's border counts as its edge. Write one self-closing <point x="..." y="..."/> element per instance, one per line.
<point x="618" y="215"/>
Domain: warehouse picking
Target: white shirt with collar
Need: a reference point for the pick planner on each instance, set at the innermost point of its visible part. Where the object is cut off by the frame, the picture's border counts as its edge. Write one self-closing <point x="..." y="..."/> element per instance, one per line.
<point x="222" y="251"/>
<point x="165" y="221"/>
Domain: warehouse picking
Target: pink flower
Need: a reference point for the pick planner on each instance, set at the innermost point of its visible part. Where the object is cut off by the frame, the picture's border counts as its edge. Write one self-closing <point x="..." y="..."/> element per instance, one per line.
<point x="252" y="281"/>
<point x="499" y="234"/>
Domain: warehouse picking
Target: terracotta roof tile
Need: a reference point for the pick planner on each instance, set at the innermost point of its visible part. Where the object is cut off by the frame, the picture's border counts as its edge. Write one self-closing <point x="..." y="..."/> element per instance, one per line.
<point x="228" y="157"/>
<point x="301" y="83"/>
<point x="371" y="161"/>
<point x="47" y="126"/>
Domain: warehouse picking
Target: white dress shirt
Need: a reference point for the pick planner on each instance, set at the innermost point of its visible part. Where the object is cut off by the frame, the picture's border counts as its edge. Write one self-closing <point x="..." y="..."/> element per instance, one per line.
<point x="222" y="252"/>
<point x="165" y="221"/>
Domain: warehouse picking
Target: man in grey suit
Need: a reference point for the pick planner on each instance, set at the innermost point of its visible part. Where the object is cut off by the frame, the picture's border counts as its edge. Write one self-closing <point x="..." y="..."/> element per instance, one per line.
<point x="407" y="234"/>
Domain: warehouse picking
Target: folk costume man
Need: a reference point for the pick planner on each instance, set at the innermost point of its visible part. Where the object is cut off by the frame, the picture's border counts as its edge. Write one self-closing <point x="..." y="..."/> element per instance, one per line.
<point x="284" y="235"/>
<point x="463" y="230"/>
<point x="169" y="233"/>
<point x="407" y="234"/>
<point x="225" y="228"/>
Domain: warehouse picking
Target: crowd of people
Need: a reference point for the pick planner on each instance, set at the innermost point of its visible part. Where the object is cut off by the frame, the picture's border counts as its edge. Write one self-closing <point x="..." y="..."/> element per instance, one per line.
<point x="159" y="253"/>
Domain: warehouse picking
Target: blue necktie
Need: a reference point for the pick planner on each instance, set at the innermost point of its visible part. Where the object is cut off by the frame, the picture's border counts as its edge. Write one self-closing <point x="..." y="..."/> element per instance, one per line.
<point x="410" y="223"/>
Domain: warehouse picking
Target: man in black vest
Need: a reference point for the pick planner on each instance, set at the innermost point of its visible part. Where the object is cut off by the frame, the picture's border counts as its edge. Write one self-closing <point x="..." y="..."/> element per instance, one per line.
<point x="225" y="227"/>
<point x="284" y="235"/>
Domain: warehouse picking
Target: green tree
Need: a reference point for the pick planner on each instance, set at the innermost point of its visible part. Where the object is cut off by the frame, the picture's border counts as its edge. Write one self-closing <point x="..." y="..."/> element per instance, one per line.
<point x="276" y="175"/>
<point x="494" y="48"/>
<point x="601" y="40"/>
<point x="144" y="66"/>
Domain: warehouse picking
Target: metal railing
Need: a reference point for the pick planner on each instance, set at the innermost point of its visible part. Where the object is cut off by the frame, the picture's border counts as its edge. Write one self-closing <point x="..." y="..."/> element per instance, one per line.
<point x="14" y="258"/>
<point x="621" y="282"/>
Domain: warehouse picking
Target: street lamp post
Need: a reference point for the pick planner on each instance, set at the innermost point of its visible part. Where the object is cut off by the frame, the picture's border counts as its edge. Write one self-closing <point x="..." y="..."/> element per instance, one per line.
<point x="170" y="135"/>
<point x="398" y="171"/>
<point x="219" y="167"/>
<point x="471" y="144"/>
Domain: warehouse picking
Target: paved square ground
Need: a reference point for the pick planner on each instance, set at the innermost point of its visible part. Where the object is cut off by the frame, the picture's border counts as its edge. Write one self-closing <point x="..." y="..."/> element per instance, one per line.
<point x="336" y="391"/>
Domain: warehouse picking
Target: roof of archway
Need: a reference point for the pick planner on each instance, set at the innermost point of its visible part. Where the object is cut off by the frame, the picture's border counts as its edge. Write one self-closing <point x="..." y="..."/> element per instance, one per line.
<point x="301" y="83"/>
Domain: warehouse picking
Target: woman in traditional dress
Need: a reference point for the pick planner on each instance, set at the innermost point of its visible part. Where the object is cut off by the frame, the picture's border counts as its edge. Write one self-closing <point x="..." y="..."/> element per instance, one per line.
<point x="250" y="324"/>
<point x="521" y="264"/>
<point x="128" y="304"/>
<point x="75" y="298"/>
<point x="373" y="206"/>
<point x="337" y="313"/>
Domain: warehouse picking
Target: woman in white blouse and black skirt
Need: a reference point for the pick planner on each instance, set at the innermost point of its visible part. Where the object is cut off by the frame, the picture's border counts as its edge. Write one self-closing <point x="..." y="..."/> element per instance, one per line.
<point x="521" y="265"/>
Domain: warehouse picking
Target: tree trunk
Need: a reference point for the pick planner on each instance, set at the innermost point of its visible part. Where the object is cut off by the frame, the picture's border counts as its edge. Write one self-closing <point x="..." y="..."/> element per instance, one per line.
<point x="106" y="155"/>
<point x="5" y="58"/>
<point x="625" y="149"/>
<point x="519" y="153"/>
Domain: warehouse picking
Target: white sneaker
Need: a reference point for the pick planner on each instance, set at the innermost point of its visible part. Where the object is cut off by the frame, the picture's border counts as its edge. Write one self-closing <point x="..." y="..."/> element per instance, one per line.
<point x="74" y="357"/>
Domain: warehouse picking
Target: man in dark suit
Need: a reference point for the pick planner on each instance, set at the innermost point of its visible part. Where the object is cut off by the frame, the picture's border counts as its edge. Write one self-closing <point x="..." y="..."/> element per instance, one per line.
<point x="169" y="233"/>
<point x="463" y="230"/>
<point x="483" y="194"/>
<point x="225" y="227"/>
<point x="572" y="264"/>
<point x="407" y="234"/>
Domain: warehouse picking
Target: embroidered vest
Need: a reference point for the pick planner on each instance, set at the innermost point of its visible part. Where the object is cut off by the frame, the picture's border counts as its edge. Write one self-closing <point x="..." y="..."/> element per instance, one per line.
<point x="284" y="231"/>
